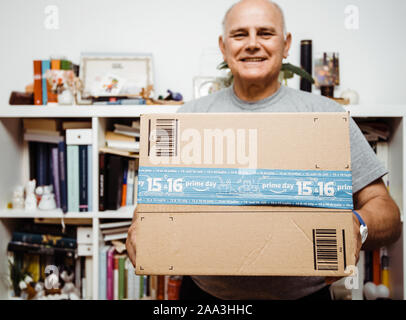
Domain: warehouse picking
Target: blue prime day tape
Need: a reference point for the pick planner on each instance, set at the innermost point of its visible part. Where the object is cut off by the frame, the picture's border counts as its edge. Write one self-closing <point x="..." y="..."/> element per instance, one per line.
<point x="214" y="186"/>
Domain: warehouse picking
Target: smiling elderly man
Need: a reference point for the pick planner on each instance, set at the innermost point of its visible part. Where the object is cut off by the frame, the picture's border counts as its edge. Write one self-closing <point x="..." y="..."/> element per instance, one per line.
<point x="253" y="44"/>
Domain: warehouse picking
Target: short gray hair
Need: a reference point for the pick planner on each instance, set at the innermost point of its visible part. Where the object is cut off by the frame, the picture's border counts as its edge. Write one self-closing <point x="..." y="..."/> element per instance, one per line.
<point x="271" y="2"/>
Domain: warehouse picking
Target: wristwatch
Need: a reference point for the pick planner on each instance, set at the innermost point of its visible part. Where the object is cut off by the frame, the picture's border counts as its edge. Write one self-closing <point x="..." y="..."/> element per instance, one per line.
<point x="363" y="229"/>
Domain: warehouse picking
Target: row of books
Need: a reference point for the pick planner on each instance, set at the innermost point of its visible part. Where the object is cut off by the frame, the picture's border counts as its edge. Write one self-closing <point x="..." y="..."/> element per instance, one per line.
<point x="117" y="181"/>
<point x="58" y="162"/>
<point x="52" y="77"/>
<point x="118" y="281"/>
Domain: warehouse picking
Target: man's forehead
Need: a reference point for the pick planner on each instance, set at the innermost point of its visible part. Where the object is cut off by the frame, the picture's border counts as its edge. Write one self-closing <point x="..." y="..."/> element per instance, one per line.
<point x="265" y="13"/>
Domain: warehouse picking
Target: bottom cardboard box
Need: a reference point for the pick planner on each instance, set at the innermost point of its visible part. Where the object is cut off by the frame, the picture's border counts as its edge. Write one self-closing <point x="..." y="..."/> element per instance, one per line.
<point x="231" y="240"/>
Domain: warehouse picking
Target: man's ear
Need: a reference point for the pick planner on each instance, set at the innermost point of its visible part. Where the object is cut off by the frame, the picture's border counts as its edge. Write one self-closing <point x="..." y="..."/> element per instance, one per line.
<point x="288" y="42"/>
<point x="221" y="46"/>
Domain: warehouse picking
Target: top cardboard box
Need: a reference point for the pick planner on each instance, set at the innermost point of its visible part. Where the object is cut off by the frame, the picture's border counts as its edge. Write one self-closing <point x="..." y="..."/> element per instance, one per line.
<point x="204" y="180"/>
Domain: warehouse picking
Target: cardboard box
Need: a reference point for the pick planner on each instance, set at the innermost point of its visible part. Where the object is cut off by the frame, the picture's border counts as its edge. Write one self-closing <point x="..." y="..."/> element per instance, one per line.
<point x="287" y="158"/>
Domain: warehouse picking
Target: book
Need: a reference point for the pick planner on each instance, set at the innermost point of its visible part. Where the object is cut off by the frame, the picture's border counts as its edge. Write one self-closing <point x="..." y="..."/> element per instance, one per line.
<point x="55" y="175"/>
<point x="114" y="230"/>
<point x="161" y="288"/>
<point x="40" y="137"/>
<point x="124" y="153"/>
<point x="110" y="273"/>
<point x="103" y="272"/>
<point x="103" y="158"/>
<point x="376" y="267"/>
<point x="89" y="277"/>
<point x="121" y="276"/>
<point x="45" y="65"/>
<point x="63" y="182"/>
<point x="122" y="142"/>
<point x="130" y="183"/>
<point x="76" y="125"/>
<point x="83" y="178"/>
<point x="115" y="276"/>
<point x="124" y="190"/>
<point x="115" y="236"/>
<point x="126" y="130"/>
<point x="115" y="181"/>
<point x="117" y="224"/>
<point x="41" y="124"/>
<point x="37" y="82"/>
<point x="42" y="164"/>
<point x="89" y="178"/>
<point x="44" y="239"/>
<point x="17" y="246"/>
<point x="72" y="155"/>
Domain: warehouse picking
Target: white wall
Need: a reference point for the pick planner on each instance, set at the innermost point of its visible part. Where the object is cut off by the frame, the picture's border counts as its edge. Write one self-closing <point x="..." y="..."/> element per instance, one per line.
<point x="182" y="35"/>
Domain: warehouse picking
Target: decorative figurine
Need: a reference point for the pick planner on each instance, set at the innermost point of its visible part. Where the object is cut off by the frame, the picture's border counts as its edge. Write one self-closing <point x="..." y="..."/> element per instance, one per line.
<point x="69" y="288"/>
<point x="18" y="198"/>
<point x="47" y="201"/>
<point x="30" y="199"/>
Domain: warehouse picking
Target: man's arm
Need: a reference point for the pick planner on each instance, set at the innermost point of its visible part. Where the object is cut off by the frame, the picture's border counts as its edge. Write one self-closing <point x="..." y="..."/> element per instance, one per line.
<point x="380" y="213"/>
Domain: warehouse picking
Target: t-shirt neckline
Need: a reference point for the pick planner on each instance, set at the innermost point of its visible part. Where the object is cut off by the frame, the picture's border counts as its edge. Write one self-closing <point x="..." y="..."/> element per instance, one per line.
<point x="257" y="104"/>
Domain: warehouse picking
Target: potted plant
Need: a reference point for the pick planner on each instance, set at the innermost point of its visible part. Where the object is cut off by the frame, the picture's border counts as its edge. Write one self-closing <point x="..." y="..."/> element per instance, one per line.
<point x="287" y="72"/>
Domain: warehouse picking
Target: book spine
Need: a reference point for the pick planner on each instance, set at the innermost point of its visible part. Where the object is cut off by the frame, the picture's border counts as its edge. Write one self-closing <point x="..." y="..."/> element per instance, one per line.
<point x="130" y="183"/>
<point x="131" y="278"/>
<point x="50" y="175"/>
<point x="174" y="283"/>
<point x="83" y="176"/>
<point x="102" y="181"/>
<point x="115" y="182"/>
<point x="110" y="274"/>
<point x="45" y="65"/>
<point x="376" y="266"/>
<point x="55" y="173"/>
<point x="42" y="164"/>
<point x="142" y="286"/>
<point x="62" y="176"/>
<point x="73" y="177"/>
<point x="45" y="239"/>
<point x="90" y="178"/>
<point x="161" y="288"/>
<point x="121" y="278"/>
<point x="32" y="150"/>
<point x="115" y="278"/>
<point x="89" y="276"/>
<point x="124" y="190"/>
<point x="103" y="273"/>
<point x="37" y="82"/>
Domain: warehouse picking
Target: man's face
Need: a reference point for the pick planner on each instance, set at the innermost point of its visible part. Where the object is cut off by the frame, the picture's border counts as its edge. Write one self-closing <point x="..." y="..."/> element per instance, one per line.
<point x="253" y="44"/>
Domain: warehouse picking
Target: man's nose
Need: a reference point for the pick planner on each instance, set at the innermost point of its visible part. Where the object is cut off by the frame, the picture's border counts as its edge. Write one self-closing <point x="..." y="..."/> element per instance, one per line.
<point x="252" y="42"/>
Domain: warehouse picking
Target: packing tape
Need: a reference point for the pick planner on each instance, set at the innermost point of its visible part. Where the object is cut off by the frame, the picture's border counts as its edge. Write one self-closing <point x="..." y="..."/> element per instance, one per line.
<point x="226" y="186"/>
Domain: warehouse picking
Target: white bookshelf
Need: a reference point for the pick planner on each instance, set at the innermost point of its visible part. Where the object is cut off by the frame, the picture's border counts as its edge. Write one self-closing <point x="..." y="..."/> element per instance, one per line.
<point x="14" y="171"/>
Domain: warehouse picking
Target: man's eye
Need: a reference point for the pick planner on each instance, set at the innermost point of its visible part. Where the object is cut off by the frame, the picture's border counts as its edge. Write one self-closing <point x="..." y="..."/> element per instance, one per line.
<point x="238" y="35"/>
<point x="266" y="34"/>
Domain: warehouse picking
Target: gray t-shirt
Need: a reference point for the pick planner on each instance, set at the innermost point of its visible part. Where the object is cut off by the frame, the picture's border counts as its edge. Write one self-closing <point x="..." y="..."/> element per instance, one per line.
<point x="365" y="168"/>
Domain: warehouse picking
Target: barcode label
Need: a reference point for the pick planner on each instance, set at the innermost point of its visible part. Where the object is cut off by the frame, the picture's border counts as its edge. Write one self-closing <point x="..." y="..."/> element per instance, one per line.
<point x="325" y="249"/>
<point x="166" y="137"/>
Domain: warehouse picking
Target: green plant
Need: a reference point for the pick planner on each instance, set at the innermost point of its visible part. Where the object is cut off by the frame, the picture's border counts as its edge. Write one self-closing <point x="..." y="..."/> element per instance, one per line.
<point x="288" y="70"/>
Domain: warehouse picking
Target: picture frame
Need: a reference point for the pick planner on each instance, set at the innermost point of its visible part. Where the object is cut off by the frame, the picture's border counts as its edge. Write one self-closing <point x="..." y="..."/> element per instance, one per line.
<point x="115" y="74"/>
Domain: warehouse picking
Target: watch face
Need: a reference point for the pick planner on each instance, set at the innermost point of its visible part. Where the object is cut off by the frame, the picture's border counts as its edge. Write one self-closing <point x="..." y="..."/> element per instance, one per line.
<point x="364" y="233"/>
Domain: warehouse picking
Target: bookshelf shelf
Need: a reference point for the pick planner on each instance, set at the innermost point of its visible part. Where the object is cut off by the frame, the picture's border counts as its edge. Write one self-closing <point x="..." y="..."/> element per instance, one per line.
<point x="82" y="111"/>
<point x="45" y="214"/>
<point x="14" y="163"/>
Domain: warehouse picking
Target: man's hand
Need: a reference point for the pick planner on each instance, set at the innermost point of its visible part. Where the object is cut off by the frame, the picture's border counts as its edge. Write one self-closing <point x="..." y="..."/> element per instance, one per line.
<point x="130" y="243"/>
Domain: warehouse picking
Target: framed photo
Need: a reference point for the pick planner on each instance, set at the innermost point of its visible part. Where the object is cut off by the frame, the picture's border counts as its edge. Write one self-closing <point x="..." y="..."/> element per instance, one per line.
<point x="115" y="75"/>
<point x="203" y="86"/>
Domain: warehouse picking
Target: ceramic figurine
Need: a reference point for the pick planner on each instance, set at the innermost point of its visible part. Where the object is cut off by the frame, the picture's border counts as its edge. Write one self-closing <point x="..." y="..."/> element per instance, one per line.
<point x="18" y="198"/>
<point x="30" y="199"/>
<point x="47" y="201"/>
